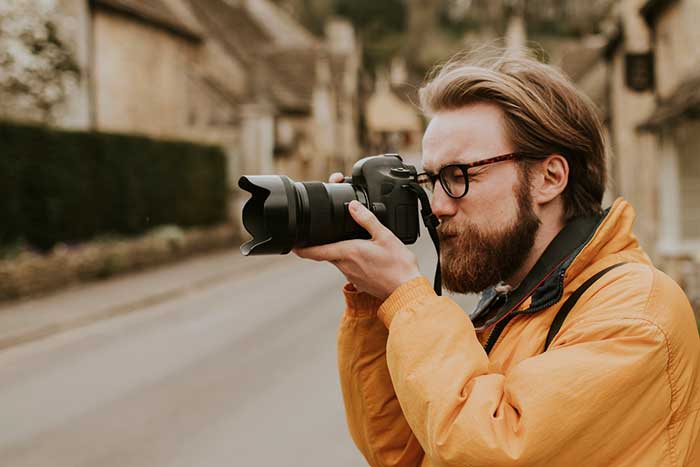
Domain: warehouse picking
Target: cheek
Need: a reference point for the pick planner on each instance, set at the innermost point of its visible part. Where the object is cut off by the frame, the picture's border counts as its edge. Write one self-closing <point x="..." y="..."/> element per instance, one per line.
<point x="494" y="203"/>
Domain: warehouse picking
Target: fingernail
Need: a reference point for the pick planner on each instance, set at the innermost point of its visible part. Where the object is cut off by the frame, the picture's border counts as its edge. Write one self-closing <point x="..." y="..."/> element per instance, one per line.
<point x="355" y="206"/>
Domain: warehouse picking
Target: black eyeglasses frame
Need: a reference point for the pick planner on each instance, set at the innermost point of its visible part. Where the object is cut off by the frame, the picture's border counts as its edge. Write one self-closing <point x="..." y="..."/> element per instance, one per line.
<point x="433" y="178"/>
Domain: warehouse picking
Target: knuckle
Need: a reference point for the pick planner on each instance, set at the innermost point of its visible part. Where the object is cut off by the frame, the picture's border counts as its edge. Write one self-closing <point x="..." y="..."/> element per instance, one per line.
<point x="336" y="177"/>
<point x="384" y="235"/>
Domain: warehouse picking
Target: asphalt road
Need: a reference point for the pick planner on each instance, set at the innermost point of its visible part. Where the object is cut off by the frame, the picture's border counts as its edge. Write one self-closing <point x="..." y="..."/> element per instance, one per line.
<point x="241" y="372"/>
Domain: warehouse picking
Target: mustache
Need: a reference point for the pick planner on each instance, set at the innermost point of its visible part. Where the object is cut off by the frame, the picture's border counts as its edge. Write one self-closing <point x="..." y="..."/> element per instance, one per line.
<point x="444" y="230"/>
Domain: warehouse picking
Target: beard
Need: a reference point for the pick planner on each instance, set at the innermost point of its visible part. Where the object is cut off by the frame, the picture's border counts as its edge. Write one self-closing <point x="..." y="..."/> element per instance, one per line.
<point x="476" y="259"/>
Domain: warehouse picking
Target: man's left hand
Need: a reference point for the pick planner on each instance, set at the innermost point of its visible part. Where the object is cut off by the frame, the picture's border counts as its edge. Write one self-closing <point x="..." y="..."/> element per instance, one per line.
<point x="377" y="266"/>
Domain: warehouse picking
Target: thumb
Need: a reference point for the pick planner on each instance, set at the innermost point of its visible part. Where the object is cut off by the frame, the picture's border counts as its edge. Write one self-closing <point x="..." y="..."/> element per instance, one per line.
<point x="366" y="219"/>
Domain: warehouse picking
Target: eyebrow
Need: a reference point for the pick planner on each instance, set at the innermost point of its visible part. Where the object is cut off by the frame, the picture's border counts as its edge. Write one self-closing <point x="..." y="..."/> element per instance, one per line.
<point x="431" y="172"/>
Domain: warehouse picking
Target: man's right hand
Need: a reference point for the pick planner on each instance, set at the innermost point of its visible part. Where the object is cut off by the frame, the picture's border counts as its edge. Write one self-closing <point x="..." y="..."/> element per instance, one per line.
<point x="378" y="265"/>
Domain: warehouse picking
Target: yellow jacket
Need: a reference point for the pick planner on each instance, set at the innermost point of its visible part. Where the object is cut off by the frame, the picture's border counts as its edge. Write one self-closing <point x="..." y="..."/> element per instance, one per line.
<point x="619" y="385"/>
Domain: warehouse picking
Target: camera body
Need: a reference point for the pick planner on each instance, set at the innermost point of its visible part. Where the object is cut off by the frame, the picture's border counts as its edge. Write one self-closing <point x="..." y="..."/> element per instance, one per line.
<point x="381" y="181"/>
<point x="283" y="214"/>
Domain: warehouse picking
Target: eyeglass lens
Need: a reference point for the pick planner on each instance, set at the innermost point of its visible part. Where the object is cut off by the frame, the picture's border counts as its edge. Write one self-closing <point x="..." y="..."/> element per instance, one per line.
<point x="452" y="178"/>
<point x="454" y="181"/>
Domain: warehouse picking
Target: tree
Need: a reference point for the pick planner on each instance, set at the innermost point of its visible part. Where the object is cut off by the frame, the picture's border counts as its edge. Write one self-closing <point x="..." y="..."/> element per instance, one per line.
<point x="37" y="68"/>
<point x="380" y="24"/>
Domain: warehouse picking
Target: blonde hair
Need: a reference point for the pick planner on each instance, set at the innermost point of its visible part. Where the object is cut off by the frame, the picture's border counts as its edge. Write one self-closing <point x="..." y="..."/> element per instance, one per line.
<point x="544" y="114"/>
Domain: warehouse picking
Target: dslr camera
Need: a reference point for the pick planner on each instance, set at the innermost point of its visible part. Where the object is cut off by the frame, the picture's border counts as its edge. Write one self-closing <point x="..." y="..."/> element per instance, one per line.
<point x="282" y="214"/>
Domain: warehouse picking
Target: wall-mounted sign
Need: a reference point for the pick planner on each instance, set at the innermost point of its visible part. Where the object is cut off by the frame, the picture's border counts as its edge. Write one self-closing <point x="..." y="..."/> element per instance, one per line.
<point x="639" y="71"/>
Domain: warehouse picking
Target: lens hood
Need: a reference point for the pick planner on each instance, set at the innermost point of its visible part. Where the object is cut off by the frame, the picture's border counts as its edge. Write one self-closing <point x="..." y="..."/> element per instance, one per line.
<point x="266" y="215"/>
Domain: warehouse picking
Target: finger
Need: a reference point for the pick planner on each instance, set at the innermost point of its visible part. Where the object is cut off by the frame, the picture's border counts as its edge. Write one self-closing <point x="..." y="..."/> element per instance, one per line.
<point x="329" y="252"/>
<point x="336" y="177"/>
<point x="367" y="220"/>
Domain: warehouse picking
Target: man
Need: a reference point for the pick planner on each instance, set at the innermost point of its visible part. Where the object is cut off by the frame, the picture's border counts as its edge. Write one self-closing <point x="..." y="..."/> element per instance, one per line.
<point x="515" y="158"/>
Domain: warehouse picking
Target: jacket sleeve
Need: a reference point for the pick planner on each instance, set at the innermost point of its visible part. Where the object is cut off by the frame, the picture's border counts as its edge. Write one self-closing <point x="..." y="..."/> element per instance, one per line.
<point x="374" y="417"/>
<point x="583" y="401"/>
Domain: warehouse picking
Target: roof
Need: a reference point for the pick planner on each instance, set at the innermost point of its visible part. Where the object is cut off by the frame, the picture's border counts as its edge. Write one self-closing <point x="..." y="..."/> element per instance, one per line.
<point x="286" y="55"/>
<point x="408" y="94"/>
<point x="284" y="30"/>
<point x="684" y="103"/>
<point x="220" y="89"/>
<point x="293" y="73"/>
<point x="233" y="26"/>
<point x="154" y="12"/>
<point x="248" y="28"/>
<point x="385" y="112"/>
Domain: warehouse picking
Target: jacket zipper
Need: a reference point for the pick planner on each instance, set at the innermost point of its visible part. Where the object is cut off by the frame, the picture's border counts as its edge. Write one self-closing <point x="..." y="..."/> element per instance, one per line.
<point x="500" y="326"/>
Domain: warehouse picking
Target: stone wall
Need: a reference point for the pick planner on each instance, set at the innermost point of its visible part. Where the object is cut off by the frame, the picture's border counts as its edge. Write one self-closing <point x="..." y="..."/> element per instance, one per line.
<point x="30" y="274"/>
<point x="74" y="113"/>
<point x="676" y="37"/>
<point x="141" y="82"/>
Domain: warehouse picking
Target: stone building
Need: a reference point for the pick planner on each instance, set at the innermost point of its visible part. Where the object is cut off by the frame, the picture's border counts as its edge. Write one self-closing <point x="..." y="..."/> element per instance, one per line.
<point x="393" y="124"/>
<point x="141" y="53"/>
<point x="148" y="68"/>
<point x="675" y="125"/>
<point x="651" y="100"/>
<point x="302" y="98"/>
<point x="675" y="121"/>
<point x="241" y="74"/>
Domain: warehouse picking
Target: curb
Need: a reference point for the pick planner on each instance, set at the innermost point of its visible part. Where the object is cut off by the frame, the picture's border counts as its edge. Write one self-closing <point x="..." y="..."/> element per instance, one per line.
<point x="142" y="304"/>
<point x="32" y="275"/>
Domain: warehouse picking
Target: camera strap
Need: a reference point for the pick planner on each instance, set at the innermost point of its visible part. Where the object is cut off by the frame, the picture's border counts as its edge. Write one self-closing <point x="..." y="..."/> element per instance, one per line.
<point x="571" y="302"/>
<point x="431" y="222"/>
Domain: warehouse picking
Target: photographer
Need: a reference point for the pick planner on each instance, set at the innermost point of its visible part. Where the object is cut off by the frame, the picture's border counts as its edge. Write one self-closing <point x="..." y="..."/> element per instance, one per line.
<point x="515" y="159"/>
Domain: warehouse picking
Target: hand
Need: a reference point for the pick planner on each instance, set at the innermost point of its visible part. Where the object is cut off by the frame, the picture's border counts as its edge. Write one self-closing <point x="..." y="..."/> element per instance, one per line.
<point x="377" y="266"/>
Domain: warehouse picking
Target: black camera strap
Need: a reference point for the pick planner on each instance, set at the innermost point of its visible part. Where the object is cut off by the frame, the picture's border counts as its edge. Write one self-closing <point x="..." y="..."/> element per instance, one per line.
<point x="571" y="302"/>
<point x="431" y="222"/>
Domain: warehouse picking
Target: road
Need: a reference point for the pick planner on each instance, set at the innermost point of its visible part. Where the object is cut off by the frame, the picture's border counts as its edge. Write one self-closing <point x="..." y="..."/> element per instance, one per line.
<point x="239" y="371"/>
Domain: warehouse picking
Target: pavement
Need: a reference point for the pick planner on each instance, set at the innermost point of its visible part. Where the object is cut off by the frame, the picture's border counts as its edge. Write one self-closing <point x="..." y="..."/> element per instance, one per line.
<point x="216" y="361"/>
<point x="35" y="318"/>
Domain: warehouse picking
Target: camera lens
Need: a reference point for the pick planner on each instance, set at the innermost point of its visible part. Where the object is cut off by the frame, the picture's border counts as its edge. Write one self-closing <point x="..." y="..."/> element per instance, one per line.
<point x="282" y="214"/>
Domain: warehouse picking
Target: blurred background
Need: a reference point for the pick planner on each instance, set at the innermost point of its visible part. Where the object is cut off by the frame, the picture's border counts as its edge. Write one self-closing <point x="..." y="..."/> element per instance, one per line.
<point x="132" y="332"/>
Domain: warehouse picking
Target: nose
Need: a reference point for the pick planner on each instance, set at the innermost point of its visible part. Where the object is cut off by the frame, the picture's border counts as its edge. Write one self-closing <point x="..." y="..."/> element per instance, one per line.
<point x="441" y="204"/>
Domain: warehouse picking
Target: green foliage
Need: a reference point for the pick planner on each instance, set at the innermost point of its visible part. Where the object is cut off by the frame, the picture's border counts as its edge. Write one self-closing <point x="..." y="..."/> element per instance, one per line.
<point x="380" y="25"/>
<point x="553" y="28"/>
<point x="387" y="15"/>
<point x="313" y="14"/>
<point x="63" y="186"/>
<point x="456" y="27"/>
<point x="380" y="49"/>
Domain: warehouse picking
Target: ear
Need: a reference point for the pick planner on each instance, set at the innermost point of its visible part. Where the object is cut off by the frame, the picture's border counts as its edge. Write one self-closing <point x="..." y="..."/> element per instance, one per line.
<point x="551" y="180"/>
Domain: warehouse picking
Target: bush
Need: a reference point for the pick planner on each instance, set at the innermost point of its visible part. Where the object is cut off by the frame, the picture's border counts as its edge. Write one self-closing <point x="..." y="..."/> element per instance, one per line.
<point x="68" y="186"/>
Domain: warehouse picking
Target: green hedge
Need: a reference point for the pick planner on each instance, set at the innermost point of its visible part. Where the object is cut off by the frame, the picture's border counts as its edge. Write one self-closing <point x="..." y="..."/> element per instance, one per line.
<point x="69" y="186"/>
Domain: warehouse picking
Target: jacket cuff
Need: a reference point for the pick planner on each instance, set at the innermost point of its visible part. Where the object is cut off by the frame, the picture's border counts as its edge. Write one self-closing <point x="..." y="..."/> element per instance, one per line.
<point x="360" y="304"/>
<point x="403" y="296"/>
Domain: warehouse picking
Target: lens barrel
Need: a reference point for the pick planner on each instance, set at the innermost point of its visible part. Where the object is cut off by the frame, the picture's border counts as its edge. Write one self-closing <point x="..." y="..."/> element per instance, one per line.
<point x="282" y="214"/>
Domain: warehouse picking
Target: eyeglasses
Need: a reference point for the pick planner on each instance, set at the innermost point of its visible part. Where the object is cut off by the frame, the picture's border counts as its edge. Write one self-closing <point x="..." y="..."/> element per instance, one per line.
<point x="454" y="178"/>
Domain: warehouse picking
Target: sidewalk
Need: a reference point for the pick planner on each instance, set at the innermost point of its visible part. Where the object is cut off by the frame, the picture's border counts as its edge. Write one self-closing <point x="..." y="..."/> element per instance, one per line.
<point x="28" y="320"/>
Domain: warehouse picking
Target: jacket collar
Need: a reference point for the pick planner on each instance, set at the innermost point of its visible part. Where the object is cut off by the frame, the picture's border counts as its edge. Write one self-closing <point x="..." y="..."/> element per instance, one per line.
<point x="578" y="244"/>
